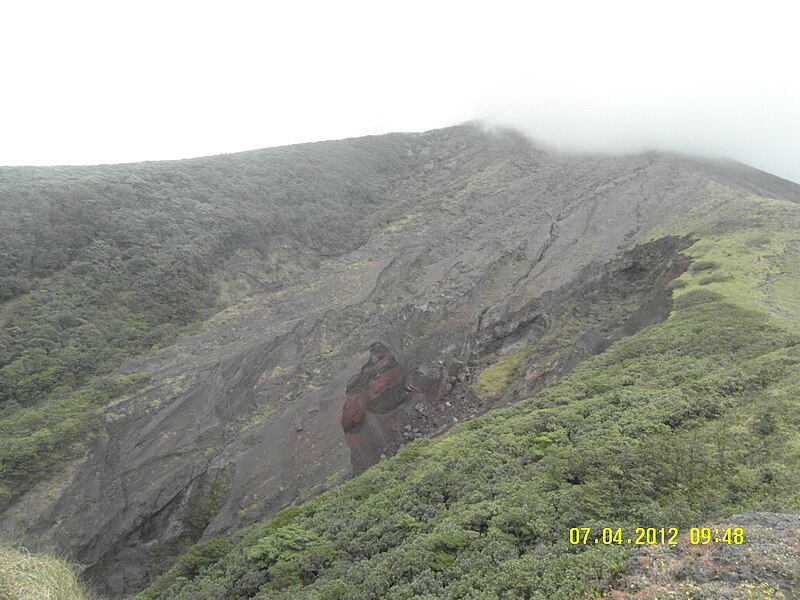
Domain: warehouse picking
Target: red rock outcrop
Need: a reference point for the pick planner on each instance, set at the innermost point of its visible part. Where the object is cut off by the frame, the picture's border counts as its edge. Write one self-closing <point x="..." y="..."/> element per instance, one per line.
<point x="378" y="388"/>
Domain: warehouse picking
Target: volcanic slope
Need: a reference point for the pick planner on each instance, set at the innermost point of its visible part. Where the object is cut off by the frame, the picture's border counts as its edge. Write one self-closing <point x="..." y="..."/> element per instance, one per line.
<point x="689" y="422"/>
<point x="466" y="270"/>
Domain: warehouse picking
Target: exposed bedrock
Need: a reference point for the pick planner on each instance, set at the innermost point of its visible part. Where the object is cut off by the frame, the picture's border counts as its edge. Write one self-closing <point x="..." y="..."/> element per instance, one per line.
<point x="377" y="389"/>
<point x="376" y="409"/>
<point x="390" y="403"/>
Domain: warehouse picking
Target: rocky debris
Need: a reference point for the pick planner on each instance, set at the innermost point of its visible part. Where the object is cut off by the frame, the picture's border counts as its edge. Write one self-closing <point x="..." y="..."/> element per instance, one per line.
<point x="386" y="398"/>
<point x="611" y="300"/>
<point x="423" y="403"/>
<point x="603" y="304"/>
<point x="376" y="388"/>
<point x="767" y="565"/>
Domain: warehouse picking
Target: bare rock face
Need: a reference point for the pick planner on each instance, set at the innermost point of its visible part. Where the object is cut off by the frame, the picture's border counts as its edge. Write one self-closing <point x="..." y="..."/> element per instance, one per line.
<point x="375" y="416"/>
<point x="501" y="247"/>
<point x="389" y="404"/>
<point x="377" y="389"/>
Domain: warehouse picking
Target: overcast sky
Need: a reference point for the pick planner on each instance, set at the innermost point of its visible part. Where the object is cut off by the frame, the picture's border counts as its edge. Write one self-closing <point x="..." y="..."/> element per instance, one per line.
<point x="120" y="81"/>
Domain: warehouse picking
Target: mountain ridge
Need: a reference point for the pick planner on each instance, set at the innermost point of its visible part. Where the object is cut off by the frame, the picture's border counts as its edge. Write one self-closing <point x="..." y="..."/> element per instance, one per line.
<point x="458" y="256"/>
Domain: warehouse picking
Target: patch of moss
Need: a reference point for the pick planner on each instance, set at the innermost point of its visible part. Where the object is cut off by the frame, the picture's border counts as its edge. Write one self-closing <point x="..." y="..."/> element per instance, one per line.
<point x="495" y="379"/>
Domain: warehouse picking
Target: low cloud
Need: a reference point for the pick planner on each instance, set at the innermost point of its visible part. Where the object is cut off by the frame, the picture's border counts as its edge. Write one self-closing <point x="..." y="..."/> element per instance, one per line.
<point x="94" y="82"/>
<point x="753" y="130"/>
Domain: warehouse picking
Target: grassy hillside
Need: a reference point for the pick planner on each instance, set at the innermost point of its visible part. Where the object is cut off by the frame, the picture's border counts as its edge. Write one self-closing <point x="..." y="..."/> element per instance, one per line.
<point x="26" y="576"/>
<point x="693" y="419"/>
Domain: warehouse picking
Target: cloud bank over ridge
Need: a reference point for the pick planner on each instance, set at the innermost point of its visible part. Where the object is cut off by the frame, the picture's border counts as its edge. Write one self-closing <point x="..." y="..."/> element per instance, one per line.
<point x="95" y="82"/>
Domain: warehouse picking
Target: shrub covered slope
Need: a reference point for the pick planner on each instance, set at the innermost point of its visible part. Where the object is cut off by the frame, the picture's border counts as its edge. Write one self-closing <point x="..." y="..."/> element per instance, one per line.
<point x="694" y="419"/>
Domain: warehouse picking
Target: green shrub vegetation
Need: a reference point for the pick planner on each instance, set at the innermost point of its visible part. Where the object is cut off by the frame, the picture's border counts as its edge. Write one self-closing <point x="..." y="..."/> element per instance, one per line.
<point x="692" y="419"/>
<point x="37" y="439"/>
